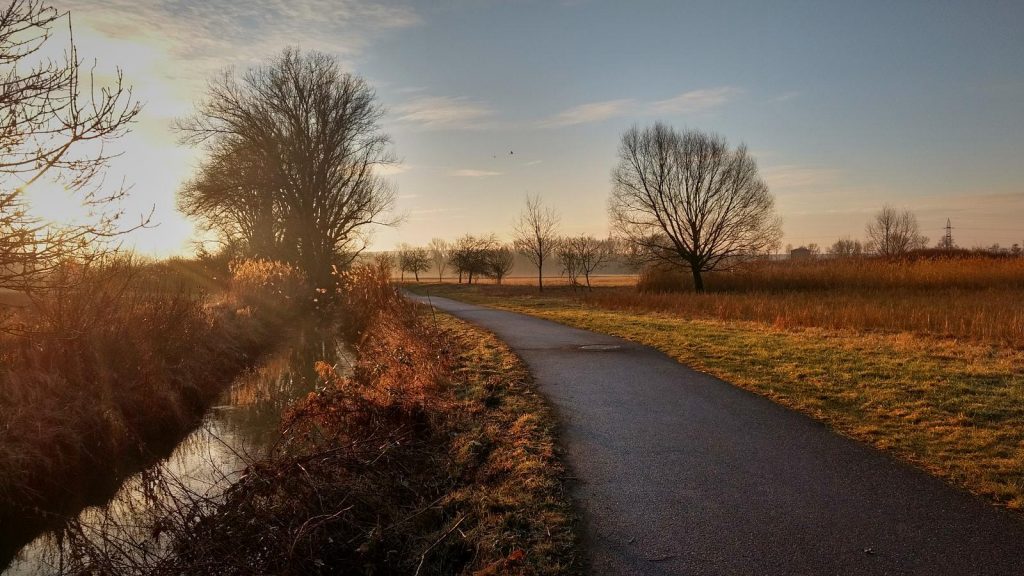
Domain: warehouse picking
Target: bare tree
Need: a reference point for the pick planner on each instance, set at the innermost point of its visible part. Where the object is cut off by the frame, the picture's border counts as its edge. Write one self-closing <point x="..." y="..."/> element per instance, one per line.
<point x="299" y="138"/>
<point x="568" y="257"/>
<point x="439" y="254"/>
<point x="414" y="260"/>
<point x="55" y="121"/>
<point x="892" y="233"/>
<point x="584" y="255"/>
<point x="688" y="200"/>
<point x="499" y="262"/>
<point x="469" y="255"/>
<point x="846" y="247"/>
<point x="536" y="234"/>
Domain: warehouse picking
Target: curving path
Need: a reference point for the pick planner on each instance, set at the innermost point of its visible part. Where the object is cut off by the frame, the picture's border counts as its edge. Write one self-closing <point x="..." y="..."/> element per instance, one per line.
<point x="681" y="473"/>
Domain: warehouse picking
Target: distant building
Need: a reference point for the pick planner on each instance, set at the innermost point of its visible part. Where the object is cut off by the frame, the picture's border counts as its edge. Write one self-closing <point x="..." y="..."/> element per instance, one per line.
<point x="800" y="253"/>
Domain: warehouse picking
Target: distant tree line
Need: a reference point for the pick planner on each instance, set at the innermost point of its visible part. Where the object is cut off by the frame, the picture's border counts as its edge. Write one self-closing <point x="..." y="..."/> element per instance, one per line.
<point x="680" y="200"/>
<point x="472" y="257"/>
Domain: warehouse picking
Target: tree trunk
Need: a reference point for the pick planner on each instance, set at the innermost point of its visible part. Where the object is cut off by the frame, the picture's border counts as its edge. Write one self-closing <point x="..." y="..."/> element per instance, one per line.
<point x="698" y="280"/>
<point x="540" y="276"/>
<point x="417" y="273"/>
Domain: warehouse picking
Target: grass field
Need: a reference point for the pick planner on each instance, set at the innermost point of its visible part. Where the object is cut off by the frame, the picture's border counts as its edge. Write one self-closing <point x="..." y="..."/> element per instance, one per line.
<point x="975" y="299"/>
<point x="948" y="400"/>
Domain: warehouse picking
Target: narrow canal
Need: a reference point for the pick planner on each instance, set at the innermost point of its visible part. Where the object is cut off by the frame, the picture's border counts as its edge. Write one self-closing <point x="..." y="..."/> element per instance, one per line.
<point x="126" y="530"/>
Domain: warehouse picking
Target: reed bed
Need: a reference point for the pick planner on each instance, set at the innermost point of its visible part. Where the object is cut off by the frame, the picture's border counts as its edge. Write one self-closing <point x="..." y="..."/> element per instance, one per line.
<point x="990" y="315"/>
<point x="103" y="375"/>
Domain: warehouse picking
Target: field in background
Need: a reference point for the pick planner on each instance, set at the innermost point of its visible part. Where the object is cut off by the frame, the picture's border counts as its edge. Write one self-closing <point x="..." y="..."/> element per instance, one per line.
<point x="601" y="280"/>
<point x="923" y="359"/>
<point x="976" y="299"/>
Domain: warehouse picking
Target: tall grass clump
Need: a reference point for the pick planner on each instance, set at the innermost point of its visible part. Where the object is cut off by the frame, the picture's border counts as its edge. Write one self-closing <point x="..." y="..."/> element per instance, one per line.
<point x="104" y="373"/>
<point x="362" y="292"/>
<point x="268" y="284"/>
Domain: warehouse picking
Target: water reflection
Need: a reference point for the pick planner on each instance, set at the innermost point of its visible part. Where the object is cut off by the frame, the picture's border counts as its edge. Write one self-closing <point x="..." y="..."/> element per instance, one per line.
<point x="128" y="533"/>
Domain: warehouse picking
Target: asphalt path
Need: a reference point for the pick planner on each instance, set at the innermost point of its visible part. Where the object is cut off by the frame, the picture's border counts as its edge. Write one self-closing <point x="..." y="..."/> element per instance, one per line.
<point x="681" y="473"/>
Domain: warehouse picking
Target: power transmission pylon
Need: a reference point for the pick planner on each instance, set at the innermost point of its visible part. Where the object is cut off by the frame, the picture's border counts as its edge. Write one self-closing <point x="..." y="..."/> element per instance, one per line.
<point x="947" y="240"/>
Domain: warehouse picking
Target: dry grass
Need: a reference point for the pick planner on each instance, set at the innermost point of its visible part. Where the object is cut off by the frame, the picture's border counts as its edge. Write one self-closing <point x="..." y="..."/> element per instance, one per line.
<point x="973" y="299"/>
<point x="436" y="456"/>
<point x="953" y="407"/>
<point x="105" y="376"/>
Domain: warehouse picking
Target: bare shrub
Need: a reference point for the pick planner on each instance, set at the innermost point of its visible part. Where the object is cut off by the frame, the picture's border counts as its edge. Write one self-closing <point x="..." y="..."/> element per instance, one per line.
<point x="498" y="262"/>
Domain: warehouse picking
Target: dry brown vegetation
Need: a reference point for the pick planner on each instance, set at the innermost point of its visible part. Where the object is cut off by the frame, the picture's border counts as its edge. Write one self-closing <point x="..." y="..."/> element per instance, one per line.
<point x="921" y="358"/>
<point x="104" y="375"/>
<point x="971" y="298"/>
<point x="435" y="456"/>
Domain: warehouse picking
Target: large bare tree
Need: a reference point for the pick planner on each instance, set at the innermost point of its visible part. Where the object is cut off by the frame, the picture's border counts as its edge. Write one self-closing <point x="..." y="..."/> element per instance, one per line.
<point x="298" y="139"/>
<point x="686" y="199"/>
<point x="536" y="234"/>
<point x="55" y="121"/>
<point x="894" y="233"/>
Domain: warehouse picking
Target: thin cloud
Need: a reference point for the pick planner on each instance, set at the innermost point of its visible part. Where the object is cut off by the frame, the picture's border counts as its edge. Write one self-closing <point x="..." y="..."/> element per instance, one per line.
<point x="685" y="103"/>
<point x="434" y="214"/>
<point x="442" y="112"/>
<point x="788" y="176"/>
<point x="588" y="113"/>
<point x="435" y="211"/>
<point x="206" y="35"/>
<point x="471" y="173"/>
<point x="393" y="169"/>
<point x="694" y="101"/>
<point x="786" y="96"/>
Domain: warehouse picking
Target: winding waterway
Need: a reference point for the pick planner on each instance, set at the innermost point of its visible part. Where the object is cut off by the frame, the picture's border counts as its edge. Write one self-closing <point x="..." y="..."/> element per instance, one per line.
<point x="126" y="530"/>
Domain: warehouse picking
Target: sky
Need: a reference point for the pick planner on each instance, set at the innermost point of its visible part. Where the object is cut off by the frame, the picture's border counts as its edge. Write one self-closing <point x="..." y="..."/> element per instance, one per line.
<point x="846" y="106"/>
